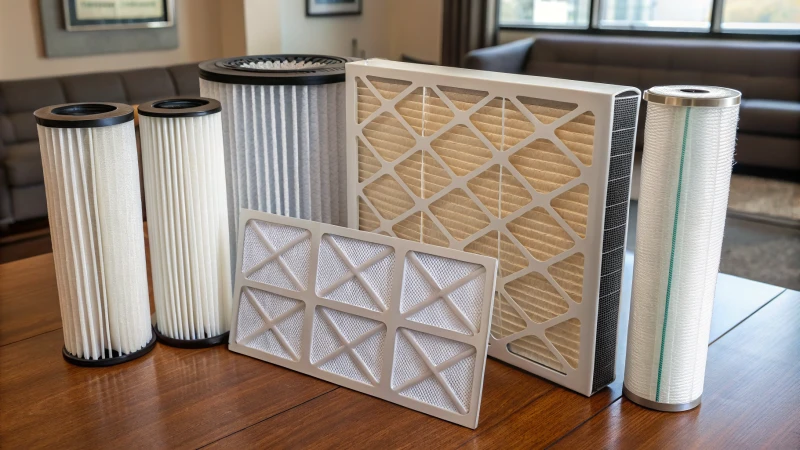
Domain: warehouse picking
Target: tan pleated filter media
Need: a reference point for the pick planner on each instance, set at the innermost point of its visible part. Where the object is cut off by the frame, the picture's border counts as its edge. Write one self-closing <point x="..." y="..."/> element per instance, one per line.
<point x="533" y="171"/>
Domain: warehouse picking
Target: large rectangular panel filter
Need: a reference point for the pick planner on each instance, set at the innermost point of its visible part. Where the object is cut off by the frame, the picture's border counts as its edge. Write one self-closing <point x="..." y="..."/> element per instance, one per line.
<point x="403" y="321"/>
<point x="533" y="171"/>
<point x="283" y="129"/>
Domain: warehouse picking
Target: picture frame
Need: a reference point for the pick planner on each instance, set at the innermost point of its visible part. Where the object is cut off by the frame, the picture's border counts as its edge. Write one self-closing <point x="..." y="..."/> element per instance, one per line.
<point x="324" y="8"/>
<point x="83" y="15"/>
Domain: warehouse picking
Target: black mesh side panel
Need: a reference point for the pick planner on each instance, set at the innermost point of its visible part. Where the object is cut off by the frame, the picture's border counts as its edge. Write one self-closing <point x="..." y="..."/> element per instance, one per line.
<point x="620" y="166"/>
<point x="615" y="227"/>
<point x="605" y="356"/>
<point x="625" y="113"/>
<point x="614" y="238"/>
<point x="622" y="142"/>
<point x="618" y="191"/>
<point x="616" y="215"/>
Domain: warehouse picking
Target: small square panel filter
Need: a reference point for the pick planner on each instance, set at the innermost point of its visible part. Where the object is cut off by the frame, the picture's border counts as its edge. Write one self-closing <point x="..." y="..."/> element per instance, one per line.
<point x="403" y="321"/>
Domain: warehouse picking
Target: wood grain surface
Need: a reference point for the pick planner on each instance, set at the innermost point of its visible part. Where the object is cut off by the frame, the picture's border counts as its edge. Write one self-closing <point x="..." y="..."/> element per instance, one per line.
<point x="192" y="398"/>
<point x="751" y="396"/>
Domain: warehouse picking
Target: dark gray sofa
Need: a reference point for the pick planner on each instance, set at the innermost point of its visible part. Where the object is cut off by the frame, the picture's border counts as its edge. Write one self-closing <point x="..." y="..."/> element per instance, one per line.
<point x="767" y="74"/>
<point x="21" y="180"/>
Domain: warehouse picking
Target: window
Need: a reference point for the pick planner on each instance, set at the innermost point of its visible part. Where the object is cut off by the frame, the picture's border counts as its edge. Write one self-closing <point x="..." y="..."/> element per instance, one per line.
<point x="545" y="13"/>
<point x="697" y="16"/>
<point x="691" y="15"/>
<point x="762" y="16"/>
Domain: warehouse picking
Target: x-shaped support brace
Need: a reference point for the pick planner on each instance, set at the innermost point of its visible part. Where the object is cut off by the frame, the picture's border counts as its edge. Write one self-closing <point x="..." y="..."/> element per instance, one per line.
<point x="435" y="370"/>
<point x="271" y="324"/>
<point x="277" y="255"/>
<point x="356" y="272"/>
<point x="348" y="346"/>
<point x="443" y="292"/>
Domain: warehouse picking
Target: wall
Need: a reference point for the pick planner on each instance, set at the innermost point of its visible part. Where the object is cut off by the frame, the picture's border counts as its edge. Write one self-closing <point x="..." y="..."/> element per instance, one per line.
<point x="215" y="28"/>
<point x="22" y="53"/>
<point x="416" y="29"/>
<point x="334" y="35"/>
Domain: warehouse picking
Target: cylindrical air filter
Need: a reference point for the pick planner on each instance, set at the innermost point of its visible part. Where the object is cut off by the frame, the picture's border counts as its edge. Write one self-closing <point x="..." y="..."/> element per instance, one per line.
<point x="184" y="180"/>
<point x="284" y="130"/>
<point x="91" y="175"/>
<point x="686" y="171"/>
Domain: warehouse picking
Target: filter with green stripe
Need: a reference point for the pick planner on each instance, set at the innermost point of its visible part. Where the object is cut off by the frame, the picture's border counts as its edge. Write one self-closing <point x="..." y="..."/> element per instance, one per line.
<point x="689" y="141"/>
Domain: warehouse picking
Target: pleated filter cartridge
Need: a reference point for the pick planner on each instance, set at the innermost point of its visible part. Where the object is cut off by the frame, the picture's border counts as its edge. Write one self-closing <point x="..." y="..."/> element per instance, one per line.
<point x="532" y="171"/>
<point x="94" y="206"/>
<point x="403" y="321"/>
<point x="283" y="127"/>
<point x="689" y="141"/>
<point x="184" y="177"/>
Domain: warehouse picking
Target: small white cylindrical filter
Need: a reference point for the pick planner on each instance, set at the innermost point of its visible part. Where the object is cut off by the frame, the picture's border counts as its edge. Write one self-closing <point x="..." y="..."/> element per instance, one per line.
<point x="184" y="176"/>
<point x="689" y="140"/>
<point x="284" y="131"/>
<point x="91" y="176"/>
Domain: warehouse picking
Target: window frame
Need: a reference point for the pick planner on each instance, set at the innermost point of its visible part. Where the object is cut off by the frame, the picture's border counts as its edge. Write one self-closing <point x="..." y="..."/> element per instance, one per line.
<point x="715" y="31"/>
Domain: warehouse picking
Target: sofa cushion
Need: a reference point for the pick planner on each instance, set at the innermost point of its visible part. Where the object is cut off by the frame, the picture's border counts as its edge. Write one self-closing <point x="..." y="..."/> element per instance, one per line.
<point x="186" y="78"/>
<point x="23" y="164"/>
<point x="770" y="117"/>
<point x="20" y="100"/>
<point x="94" y="87"/>
<point x="762" y="70"/>
<point x="147" y="84"/>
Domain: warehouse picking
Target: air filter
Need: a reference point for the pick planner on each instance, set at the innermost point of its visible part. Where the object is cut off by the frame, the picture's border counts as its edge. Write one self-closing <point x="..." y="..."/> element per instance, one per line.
<point x="689" y="139"/>
<point x="91" y="175"/>
<point x="184" y="178"/>
<point x="283" y="126"/>
<point x="399" y="320"/>
<point x="533" y="171"/>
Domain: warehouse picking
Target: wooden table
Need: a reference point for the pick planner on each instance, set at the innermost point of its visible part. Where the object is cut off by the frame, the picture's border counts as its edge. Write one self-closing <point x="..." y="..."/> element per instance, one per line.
<point x="194" y="398"/>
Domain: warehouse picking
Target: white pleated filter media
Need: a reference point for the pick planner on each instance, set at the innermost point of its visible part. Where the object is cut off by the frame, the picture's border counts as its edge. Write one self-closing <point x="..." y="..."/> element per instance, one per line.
<point x="532" y="171"/>
<point x="403" y="321"/>
<point x="184" y="176"/>
<point x="94" y="206"/>
<point x="284" y="140"/>
<point x="686" y="172"/>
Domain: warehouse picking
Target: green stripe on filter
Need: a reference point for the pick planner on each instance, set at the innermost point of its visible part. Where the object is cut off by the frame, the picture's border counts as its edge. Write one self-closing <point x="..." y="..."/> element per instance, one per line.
<point x="672" y="253"/>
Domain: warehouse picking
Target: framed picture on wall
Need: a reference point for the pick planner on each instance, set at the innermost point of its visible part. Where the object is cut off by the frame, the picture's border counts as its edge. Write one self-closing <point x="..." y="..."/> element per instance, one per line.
<point x="88" y="15"/>
<point x="333" y="7"/>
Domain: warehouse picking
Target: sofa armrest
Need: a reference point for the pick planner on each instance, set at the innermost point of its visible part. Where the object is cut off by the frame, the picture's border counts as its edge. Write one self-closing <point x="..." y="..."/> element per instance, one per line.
<point x="509" y="58"/>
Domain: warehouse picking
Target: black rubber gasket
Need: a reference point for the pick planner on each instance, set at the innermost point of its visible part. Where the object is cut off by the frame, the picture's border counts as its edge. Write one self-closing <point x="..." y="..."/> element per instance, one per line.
<point x="180" y="107"/>
<point x="112" y="358"/>
<point x="227" y="70"/>
<point x="191" y="343"/>
<point x="83" y="115"/>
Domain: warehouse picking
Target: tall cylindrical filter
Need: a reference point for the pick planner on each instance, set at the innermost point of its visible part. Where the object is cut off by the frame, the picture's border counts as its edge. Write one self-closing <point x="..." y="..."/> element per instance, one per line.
<point x="686" y="170"/>
<point x="91" y="175"/>
<point x="284" y="130"/>
<point x="184" y="177"/>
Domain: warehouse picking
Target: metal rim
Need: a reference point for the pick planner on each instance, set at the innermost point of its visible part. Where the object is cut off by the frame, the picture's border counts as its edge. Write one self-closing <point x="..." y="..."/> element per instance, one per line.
<point x="83" y="115"/>
<point x="180" y="107"/>
<point x="673" y="100"/>
<point x="191" y="343"/>
<point x="115" y="358"/>
<point x="658" y="406"/>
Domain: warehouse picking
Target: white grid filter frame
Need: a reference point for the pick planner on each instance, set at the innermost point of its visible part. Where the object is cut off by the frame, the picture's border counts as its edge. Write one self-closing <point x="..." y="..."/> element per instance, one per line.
<point x="533" y="171"/>
<point x="403" y="321"/>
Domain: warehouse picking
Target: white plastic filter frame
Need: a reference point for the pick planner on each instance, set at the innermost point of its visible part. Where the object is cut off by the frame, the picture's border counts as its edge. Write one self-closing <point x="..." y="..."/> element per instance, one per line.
<point x="381" y="348"/>
<point x="599" y="99"/>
